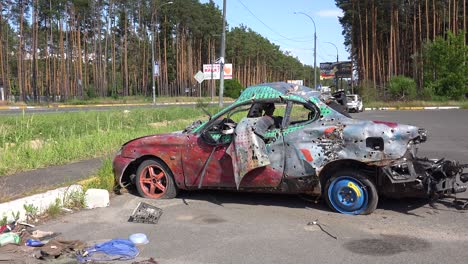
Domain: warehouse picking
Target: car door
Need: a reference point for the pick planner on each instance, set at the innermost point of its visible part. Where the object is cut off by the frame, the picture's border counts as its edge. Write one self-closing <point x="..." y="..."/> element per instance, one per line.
<point x="211" y="155"/>
<point x="301" y="136"/>
<point x="207" y="163"/>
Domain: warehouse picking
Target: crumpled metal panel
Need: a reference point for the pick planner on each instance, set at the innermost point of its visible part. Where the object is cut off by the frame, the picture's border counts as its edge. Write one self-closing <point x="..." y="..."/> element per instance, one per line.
<point x="336" y="137"/>
<point x="248" y="150"/>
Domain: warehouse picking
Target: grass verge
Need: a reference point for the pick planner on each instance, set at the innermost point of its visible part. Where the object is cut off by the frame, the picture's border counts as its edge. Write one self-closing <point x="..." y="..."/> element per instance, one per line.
<point x="31" y="141"/>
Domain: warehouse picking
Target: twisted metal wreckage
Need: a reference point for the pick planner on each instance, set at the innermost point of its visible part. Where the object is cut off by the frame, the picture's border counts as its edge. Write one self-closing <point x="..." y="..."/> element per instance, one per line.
<point x="319" y="151"/>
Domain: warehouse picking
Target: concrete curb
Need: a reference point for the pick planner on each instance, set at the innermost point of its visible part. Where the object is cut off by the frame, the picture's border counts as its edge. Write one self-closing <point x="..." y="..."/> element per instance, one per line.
<point x="93" y="198"/>
<point x="41" y="202"/>
<point x="412" y="108"/>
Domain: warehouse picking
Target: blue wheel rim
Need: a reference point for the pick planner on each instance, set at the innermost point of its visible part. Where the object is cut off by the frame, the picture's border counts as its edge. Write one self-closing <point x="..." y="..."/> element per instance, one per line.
<point x="348" y="195"/>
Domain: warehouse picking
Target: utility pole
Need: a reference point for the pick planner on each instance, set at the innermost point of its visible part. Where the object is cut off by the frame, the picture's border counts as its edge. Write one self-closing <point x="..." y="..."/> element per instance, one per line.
<point x="337" y="61"/>
<point x="221" y="61"/>
<point x="315" y="47"/>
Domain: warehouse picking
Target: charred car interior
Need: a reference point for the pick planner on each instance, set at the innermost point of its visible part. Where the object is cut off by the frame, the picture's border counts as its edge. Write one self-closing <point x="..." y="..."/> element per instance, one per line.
<point x="284" y="138"/>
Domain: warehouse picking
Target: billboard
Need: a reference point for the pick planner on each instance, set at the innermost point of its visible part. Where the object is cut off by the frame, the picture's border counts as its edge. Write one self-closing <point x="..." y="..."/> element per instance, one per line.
<point x="212" y="71"/>
<point x="327" y="70"/>
<point x="330" y="70"/>
<point x="344" y="69"/>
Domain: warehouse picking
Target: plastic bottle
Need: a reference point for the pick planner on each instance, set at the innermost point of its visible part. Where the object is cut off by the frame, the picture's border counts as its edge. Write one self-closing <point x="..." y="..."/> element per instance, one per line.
<point x="33" y="243"/>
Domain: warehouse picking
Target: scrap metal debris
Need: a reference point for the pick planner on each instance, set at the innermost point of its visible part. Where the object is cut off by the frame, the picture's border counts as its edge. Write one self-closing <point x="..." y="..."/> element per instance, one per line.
<point x="56" y="248"/>
<point x="146" y="213"/>
<point x="148" y="261"/>
<point x="461" y="204"/>
<point x="321" y="228"/>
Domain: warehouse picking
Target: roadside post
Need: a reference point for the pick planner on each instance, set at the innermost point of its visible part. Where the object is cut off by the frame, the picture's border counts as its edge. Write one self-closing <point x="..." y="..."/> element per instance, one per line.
<point x="200" y="77"/>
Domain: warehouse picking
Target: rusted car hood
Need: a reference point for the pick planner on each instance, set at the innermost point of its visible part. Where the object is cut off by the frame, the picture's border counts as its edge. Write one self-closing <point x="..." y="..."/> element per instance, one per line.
<point x="163" y="138"/>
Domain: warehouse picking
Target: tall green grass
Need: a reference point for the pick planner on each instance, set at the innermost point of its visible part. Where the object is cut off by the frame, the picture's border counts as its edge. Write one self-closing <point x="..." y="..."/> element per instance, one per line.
<point x="31" y="141"/>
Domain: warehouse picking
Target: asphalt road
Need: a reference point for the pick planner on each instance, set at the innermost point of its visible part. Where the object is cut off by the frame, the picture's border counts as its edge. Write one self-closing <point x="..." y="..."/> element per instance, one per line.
<point x="220" y="227"/>
<point x="447" y="130"/>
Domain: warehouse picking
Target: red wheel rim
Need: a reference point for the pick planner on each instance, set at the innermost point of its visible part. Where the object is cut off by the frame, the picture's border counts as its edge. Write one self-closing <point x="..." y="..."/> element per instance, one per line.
<point x="153" y="181"/>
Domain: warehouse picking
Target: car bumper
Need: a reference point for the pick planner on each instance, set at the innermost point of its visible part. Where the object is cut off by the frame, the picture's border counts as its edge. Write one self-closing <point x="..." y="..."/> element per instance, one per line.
<point x="119" y="165"/>
<point x="353" y="107"/>
<point x="432" y="177"/>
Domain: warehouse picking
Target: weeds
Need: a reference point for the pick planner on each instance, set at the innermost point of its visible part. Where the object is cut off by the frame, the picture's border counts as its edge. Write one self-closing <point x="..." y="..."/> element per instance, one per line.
<point x="74" y="200"/>
<point x="54" y="209"/>
<point x="15" y="215"/>
<point x="104" y="177"/>
<point x="31" y="212"/>
<point x="4" y="220"/>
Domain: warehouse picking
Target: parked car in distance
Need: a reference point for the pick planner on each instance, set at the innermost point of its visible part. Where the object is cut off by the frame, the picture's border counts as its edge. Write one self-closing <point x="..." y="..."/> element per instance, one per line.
<point x="354" y="103"/>
<point x="285" y="138"/>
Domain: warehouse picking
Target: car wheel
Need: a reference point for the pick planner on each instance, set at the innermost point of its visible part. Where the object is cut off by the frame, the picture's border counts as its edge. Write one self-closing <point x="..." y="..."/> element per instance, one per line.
<point x="154" y="180"/>
<point x="349" y="192"/>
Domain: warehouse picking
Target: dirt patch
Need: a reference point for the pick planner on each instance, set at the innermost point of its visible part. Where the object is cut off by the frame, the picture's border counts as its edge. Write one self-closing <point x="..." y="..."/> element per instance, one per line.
<point x="36" y="144"/>
<point x="159" y="124"/>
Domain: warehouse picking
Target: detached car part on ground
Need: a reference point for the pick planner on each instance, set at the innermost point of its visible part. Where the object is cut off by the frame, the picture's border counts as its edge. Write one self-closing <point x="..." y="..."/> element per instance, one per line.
<point x="310" y="149"/>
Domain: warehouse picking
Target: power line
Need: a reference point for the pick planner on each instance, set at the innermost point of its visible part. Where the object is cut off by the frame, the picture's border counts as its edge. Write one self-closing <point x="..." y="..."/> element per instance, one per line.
<point x="274" y="31"/>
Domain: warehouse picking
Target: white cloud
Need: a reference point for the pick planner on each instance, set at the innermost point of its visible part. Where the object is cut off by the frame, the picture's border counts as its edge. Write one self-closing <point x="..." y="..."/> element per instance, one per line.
<point x="330" y="13"/>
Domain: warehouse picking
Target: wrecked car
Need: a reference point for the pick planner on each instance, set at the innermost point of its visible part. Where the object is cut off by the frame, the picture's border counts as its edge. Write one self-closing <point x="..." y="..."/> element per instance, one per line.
<point x="284" y="138"/>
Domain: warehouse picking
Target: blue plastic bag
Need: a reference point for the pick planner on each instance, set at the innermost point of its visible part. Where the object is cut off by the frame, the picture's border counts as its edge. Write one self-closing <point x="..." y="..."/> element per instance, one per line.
<point x="115" y="249"/>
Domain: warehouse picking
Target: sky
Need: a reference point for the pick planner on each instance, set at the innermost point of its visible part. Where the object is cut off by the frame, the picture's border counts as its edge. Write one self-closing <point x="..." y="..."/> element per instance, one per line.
<point x="276" y="21"/>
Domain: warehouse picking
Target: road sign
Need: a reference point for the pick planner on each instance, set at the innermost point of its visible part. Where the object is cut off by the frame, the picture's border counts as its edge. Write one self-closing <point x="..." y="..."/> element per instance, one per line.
<point x="297" y="82"/>
<point x="199" y="76"/>
<point x="212" y="71"/>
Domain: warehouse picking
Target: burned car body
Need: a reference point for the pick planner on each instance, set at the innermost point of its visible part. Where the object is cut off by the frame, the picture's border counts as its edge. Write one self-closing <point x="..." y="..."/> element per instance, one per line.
<point x="310" y="148"/>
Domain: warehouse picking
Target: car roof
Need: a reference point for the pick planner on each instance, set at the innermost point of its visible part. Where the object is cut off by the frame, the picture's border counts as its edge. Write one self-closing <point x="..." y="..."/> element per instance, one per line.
<point x="277" y="90"/>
